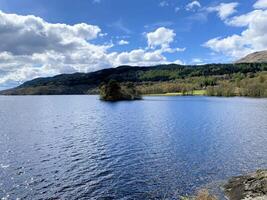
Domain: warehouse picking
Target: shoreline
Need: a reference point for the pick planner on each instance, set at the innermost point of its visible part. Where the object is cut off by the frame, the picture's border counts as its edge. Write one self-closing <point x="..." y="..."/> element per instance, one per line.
<point x="252" y="186"/>
<point x="144" y="95"/>
<point x="195" y="93"/>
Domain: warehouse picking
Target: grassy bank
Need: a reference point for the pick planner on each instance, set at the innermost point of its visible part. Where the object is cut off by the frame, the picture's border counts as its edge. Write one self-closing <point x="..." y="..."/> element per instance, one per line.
<point x="193" y="93"/>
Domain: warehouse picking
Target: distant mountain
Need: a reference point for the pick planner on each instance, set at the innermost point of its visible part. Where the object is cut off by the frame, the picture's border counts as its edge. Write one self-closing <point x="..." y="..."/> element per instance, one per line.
<point x="88" y="83"/>
<point x="257" y="57"/>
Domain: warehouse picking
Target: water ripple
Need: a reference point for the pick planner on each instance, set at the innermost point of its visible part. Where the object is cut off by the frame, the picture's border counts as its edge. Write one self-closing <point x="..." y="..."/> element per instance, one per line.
<point x="76" y="147"/>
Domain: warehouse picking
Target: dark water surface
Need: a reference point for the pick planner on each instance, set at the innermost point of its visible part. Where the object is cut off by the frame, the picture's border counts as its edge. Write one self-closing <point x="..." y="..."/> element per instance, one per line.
<point x="77" y="147"/>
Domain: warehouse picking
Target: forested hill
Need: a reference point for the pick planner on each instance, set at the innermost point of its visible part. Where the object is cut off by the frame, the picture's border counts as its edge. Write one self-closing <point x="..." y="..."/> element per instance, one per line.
<point x="87" y="83"/>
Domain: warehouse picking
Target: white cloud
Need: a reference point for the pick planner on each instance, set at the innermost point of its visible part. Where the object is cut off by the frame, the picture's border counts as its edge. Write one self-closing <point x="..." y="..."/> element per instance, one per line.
<point x="158" y="43"/>
<point x="158" y="24"/>
<point x="123" y="42"/>
<point x="193" y="5"/>
<point x="139" y="57"/>
<point x="161" y="37"/>
<point x="224" y="9"/>
<point x="163" y="4"/>
<point x="119" y="25"/>
<point x="197" y="60"/>
<point x="252" y="38"/>
<point x="260" y="4"/>
<point x="199" y="17"/>
<point x="177" y="9"/>
<point x="30" y="34"/>
<point x="178" y="62"/>
<point x="31" y="47"/>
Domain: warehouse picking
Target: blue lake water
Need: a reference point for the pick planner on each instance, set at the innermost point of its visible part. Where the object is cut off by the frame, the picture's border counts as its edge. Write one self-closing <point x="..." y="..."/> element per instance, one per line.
<point x="77" y="147"/>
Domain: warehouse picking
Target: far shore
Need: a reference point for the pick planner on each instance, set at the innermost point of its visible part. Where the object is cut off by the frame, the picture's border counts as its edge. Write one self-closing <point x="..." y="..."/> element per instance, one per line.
<point x="194" y="93"/>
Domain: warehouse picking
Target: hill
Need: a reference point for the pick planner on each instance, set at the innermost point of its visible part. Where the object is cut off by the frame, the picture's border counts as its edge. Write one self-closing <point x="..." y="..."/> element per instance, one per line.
<point x="257" y="57"/>
<point x="144" y="77"/>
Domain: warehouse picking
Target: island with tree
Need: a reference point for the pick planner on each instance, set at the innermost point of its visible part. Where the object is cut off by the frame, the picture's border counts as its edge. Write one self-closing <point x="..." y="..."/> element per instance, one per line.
<point x="114" y="91"/>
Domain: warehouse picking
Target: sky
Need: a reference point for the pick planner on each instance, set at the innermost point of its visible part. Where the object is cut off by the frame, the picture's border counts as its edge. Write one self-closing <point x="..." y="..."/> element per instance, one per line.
<point x="49" y="37"/>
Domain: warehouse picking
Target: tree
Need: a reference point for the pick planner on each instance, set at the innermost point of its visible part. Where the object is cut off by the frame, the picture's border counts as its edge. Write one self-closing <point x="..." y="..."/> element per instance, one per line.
<point x="113" y="91"/>
<point x="110" y="91"/>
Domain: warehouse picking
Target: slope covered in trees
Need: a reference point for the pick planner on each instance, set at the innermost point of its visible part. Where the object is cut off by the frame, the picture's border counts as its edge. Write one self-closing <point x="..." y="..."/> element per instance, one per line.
<point x="156" y="79"/>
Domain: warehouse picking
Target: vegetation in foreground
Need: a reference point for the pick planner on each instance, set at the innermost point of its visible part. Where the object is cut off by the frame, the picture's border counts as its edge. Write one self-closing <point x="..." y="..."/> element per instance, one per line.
<point x="113" y="91"/>
<point x="201" y="195"/>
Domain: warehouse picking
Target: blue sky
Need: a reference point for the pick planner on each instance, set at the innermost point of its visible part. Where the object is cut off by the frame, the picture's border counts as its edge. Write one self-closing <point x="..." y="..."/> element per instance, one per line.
<point x="107" y="33"/>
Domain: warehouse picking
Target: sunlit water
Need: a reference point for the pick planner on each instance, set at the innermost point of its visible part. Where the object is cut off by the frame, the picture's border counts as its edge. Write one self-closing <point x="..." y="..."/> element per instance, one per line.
<point x="77" y="147"/>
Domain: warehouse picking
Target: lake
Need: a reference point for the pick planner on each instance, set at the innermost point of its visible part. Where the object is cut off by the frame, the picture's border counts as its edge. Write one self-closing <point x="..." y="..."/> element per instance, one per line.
<point x="77" y="147"/>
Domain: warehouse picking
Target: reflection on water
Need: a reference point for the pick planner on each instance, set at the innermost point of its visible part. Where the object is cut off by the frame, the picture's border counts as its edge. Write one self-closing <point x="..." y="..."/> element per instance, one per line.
<point x="75" y="147"/>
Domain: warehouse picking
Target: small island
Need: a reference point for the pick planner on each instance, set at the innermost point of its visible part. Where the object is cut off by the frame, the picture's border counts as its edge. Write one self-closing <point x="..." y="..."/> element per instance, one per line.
<point x="114" y="91"/>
